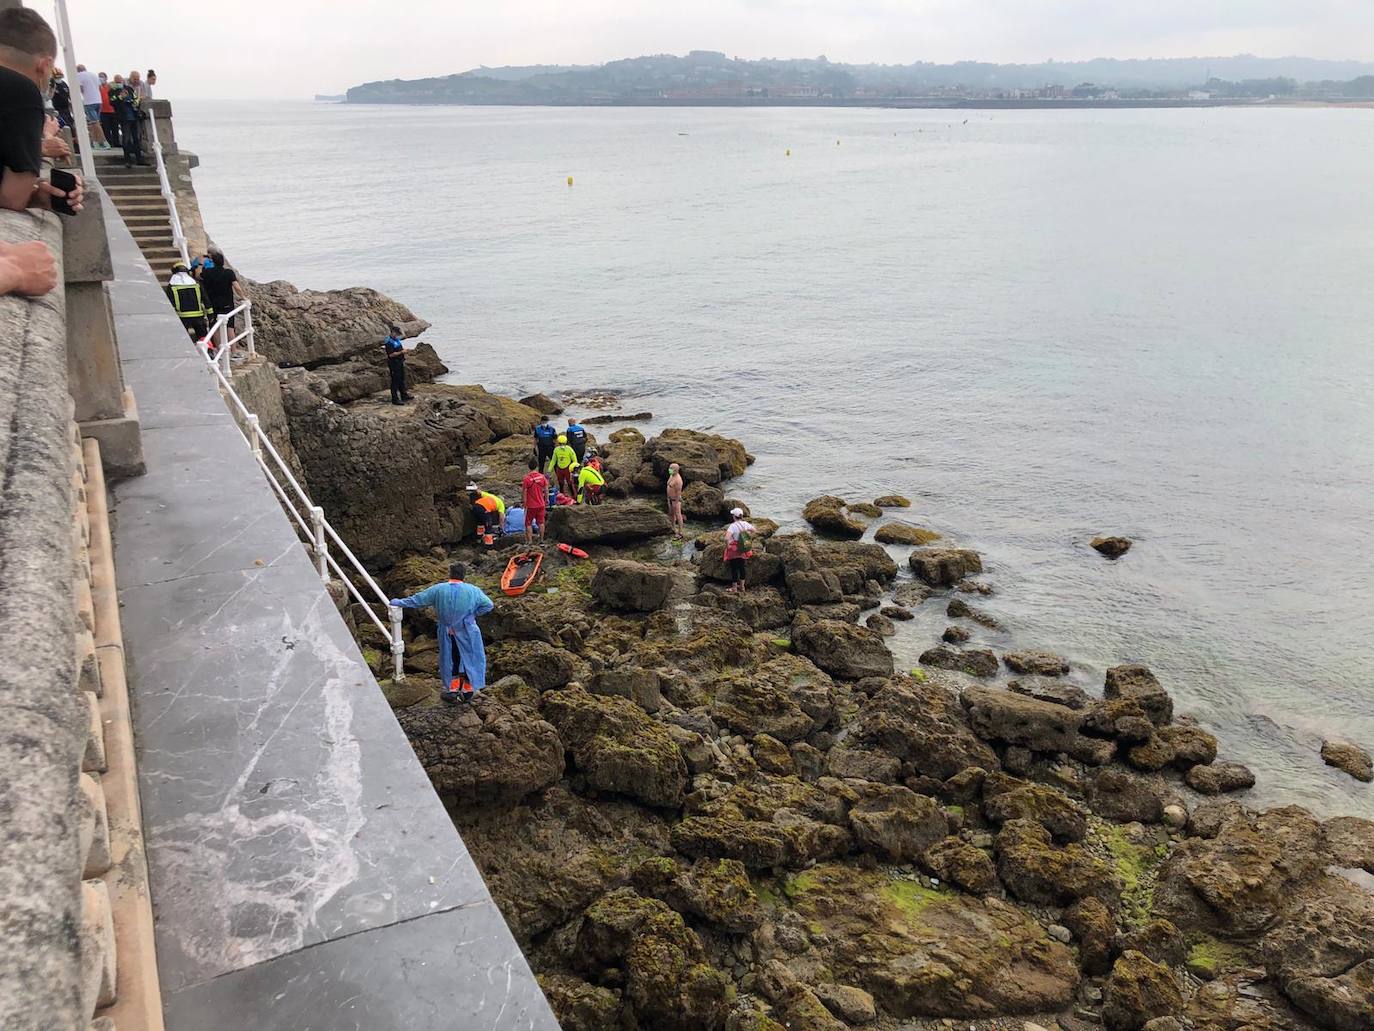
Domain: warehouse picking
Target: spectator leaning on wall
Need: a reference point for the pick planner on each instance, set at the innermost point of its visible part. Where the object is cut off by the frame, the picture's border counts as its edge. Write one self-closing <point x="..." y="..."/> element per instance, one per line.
<point x="28" y="49"/>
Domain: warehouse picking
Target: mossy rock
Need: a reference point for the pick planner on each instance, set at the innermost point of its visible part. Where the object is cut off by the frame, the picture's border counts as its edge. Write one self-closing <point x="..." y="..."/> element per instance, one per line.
<point x="903" y="533"/>
<point x="415" y="574"/>
<point x="1209" y="958"/>
<point x="863" y="508"/>
<point x="410" y="691"/>
<point x="929" y="951"/>
<point x="578" y="1005"/>
<point x="892" y="501"/>
<point x="1136" y="866"/>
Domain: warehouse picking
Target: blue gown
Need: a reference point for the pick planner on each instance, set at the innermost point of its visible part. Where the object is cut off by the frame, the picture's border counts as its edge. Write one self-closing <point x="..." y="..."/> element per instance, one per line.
<point x="456" y="607"/>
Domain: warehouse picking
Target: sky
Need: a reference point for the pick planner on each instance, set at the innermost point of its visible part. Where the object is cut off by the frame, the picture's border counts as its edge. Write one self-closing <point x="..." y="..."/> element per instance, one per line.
<point x="297" y="48"/>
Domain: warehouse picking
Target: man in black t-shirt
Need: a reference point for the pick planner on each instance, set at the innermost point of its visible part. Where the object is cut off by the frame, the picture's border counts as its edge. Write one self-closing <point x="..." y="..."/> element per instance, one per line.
<point x="28" y="49"/>
<point x="222" y="287"/>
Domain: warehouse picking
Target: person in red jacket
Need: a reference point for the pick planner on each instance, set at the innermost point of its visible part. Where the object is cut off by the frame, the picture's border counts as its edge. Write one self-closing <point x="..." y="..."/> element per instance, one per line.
<point x="536" y="490"/>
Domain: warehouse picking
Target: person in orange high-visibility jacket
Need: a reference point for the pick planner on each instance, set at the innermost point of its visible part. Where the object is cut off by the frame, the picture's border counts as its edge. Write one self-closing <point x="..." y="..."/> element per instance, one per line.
<point x="489" y="509"/>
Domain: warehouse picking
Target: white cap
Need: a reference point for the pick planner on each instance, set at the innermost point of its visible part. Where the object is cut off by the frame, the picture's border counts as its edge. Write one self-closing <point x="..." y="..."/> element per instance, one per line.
<point x="472" y="486"/>
<point x="738" y="513"/>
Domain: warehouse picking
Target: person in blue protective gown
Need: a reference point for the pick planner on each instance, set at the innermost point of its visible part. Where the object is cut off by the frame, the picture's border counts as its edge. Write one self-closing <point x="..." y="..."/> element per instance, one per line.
<point x="456" y="605"/>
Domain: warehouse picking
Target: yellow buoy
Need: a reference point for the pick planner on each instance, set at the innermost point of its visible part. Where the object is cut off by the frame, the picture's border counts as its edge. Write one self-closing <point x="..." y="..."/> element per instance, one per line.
<point x="789" y="151"/>
<point x="569" y="180"/>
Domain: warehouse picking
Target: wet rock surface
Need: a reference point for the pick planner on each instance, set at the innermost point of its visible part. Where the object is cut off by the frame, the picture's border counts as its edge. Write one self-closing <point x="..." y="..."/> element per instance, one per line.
<point x="704" y="809"/>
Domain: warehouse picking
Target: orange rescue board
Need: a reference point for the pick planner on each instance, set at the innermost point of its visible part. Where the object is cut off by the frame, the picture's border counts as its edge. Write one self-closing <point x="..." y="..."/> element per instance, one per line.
<point x="521" y="572"/>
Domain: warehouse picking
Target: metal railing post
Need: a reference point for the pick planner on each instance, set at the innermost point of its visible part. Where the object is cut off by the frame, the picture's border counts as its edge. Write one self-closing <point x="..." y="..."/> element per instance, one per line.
<point x="321" y="546"/>
<point x="254" y="438"/>
<point x="80" y="131"/>
<point x="248" y="327"/>
<point x="398" y="645"/>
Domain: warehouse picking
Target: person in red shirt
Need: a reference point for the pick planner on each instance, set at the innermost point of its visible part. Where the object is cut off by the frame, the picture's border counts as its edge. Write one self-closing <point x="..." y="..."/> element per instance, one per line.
<point x="536" y="487"/>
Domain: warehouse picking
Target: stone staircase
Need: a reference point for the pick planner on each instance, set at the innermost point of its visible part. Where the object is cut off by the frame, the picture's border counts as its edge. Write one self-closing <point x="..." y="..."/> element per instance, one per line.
<point x="138" y="198"/>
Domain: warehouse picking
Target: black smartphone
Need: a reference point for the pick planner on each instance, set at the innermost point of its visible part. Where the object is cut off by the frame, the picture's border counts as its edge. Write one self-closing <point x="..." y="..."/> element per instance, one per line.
<point x="66" y="182"/>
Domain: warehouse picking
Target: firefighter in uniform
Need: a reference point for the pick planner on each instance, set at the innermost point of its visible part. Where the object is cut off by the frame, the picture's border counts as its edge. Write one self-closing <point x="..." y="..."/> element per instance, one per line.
<point x="189" y="302"/>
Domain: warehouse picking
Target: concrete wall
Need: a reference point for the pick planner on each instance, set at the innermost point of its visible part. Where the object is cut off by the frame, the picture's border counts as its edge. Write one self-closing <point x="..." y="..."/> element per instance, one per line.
<point x="57" y="935"/>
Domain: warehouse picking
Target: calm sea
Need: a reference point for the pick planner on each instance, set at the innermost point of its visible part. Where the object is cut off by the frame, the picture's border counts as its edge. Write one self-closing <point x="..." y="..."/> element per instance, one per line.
<point x="1039" y="325"/>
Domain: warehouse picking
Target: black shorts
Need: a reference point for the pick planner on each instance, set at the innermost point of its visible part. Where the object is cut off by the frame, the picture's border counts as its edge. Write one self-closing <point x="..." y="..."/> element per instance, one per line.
<point x="232" y="322"/>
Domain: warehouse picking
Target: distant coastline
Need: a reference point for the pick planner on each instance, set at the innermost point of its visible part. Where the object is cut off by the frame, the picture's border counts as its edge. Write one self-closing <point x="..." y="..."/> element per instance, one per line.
<point x="901" y="103"/>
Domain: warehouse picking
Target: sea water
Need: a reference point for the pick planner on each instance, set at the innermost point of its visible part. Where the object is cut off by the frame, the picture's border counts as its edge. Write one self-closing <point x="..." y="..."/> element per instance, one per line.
<point x="1039" y="325"/>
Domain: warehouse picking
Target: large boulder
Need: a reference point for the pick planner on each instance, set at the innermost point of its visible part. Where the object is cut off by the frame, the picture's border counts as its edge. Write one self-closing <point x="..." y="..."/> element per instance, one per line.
<point x="921" y="724"/>
<point x="976" y="662"/>
<point x="1237" y="883"/>
<point x="552" y="855"/>
<point x="829" y="515"/>
<point x="904" y="533"/>
<point x="702" y="501"/>
<point x="998" y="715"/>
<point x="896" y="824"/>
<point x="962" y="865"/>
<point x="1322" y="953"/>
<point x="1005" y="799"/>
<point x="540" y="665"/>
<point x="1348" y="758"/>
<point x="1051" y="689"/>
<point x="632" y="586"/>
<point x="388" y="477"/>
<point x="668" y="981"/>
<point x="1138" y="991"/>
<point x="1041" y="873"/>
<point x="715" y="890"/>
<point x="702" y="457"/>
<point x="843" y="649"/>
<point x="367" y="373"/>
<point x="614" y="523"/>
<point x="578" y="1004"/>
<point x="944" y="567"/>
<point x="617" y="747"/>
<point x="1036" y="663"/>
<point x="925" y="952"/>
<point x="484" y="754"/>
<point x="316" y="327"/>
<point x="1137" y="684"/>
<point x="752" y="703"/>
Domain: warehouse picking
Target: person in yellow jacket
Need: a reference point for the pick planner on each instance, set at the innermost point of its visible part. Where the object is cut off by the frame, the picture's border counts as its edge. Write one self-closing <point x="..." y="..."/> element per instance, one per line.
<point x="489" y="509"/>
<point x="589" y="485"/>
<point x="189" y="302"/>
<point x="562" y="464"/>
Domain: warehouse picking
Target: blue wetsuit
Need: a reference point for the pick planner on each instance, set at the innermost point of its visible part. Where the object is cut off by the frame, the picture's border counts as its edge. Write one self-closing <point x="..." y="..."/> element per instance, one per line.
<point x="456" y="607"/>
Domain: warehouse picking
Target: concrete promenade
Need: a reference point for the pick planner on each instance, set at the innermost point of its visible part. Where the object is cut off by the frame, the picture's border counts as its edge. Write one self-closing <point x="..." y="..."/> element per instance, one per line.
<point x="303" y="872"/>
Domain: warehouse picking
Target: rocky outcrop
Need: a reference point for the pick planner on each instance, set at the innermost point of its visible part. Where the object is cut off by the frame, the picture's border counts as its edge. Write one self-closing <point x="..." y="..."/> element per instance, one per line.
<point x="359" y="375"/>
<point x="829" y="515"/>
<point x="702" y="457"/>
<point x="976" y="662"/>
<point x="1036" y="663"/>
<point x="632" y="586"/>
<point x="484" y="754"/>
<point x="1138" y="991"/>
<point x="617" y="747"/>
<point x="1348" y="758"/>
<point x="668" y="982"/>
<point x="943" y="567"/>
<point x="1112" y="547"/>
<point x="904" y="533"/>
<point x="842" y="649"/>
<point x="607" y="524"/>
<point x="318" y="327"/>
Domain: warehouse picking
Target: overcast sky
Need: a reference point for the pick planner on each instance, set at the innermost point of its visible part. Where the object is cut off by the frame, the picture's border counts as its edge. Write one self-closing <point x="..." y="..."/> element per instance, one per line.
<point x="296" y="48"/>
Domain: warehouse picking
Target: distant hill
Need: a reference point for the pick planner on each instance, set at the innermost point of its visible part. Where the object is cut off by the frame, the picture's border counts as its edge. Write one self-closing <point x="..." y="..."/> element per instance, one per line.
<point x="708" y="74"/>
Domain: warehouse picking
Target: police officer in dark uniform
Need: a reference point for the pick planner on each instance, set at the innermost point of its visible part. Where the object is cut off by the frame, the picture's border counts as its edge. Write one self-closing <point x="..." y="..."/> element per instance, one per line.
<point x="545" y="436"/>
<point x="396" y="365"/>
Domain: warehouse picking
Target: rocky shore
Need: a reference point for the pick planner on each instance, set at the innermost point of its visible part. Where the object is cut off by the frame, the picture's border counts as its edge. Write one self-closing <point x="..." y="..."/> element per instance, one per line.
<point x="703" y="810"/>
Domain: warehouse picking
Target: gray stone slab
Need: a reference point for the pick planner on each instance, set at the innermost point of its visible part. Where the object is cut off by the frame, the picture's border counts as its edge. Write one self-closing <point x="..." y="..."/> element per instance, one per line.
<point x="189" y="516"/>
<point x="146" y="332"/>
<point x="455" y="971"/>
<point x="176" y="393"/>
<point x="282" y="804"/>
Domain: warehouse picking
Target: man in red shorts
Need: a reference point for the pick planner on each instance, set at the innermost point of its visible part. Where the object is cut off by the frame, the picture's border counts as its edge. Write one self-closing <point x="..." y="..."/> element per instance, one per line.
<point x="536" y="487"/>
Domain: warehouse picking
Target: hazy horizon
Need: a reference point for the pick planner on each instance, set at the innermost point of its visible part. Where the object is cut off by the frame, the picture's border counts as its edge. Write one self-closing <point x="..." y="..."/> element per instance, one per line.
<point x="304" y="53"/>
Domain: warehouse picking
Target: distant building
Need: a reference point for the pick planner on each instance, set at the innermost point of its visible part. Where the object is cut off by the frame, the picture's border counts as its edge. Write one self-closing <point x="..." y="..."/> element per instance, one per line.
<point x="1199" y="94"/>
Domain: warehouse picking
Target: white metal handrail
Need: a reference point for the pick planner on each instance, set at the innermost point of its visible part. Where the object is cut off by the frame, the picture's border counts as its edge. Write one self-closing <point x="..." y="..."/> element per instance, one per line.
<point x="178" y="237"/>
<point x="313" y="524"/>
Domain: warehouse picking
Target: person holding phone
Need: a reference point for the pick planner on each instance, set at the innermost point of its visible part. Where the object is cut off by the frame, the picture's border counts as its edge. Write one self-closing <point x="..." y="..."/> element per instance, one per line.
<point x="28" y="49"/>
